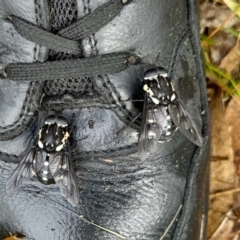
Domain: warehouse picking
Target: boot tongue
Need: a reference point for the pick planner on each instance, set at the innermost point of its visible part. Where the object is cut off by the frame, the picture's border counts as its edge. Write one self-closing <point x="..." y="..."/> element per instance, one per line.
<point x="62" y="14"/>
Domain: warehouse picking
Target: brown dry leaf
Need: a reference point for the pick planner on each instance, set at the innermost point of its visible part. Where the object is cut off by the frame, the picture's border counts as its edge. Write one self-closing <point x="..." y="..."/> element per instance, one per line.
<point x="222" y="170"/>
<point x="212" y="15"/>
<point x="215" y="17"/>
<point x="233" y="5"/>
<point x="12" y="238"/>
<point x="224" y="213"/>
<point x="219" y="205"/>
<point x="231" y="62"/>
<point x="223" y="43"/>
<point x="226" y="230"/>
<point x="220" y="139"/>
<point x="223" y="222"/>
<point x="222" y="175"/>
<point x="232" y="117"/>
<point x="237" y="237"/>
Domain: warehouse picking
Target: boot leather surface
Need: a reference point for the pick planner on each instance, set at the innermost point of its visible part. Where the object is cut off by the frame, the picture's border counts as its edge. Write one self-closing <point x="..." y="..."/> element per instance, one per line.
<point x="137" y="199"/>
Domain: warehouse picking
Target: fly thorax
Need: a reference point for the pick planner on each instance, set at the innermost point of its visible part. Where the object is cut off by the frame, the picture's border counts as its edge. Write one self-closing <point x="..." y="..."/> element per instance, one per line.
<point x="173" y="97"/>
<point x="53" y="137"/>
<point x="147" y="87"/>
<point x="164" y="85"/>
<point x="159" y="88"/>
<point x="151" y="89"/>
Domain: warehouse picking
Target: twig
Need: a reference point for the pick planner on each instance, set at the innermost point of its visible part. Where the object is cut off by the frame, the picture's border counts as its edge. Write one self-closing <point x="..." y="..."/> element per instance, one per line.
<point x="223" y="193"/>
<point x="89" y="222"/>
<point x="171" y="223"/>
<point x="223" y="23"/>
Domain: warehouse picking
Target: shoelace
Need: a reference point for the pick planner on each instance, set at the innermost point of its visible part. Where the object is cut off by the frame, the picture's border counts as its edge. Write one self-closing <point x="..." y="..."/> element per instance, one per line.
<point x="67" y="40"/>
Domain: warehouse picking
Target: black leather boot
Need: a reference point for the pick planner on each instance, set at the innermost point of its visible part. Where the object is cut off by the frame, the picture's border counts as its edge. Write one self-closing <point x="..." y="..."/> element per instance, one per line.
<point x="103" y="115"/>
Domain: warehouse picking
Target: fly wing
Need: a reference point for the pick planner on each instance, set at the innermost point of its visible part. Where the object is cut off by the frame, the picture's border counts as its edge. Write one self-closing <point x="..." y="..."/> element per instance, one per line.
<point x="26" y="169"/>
<point x="150" y="130"/>
<point x="61" y="168"/>
<point x="187" y="126"/>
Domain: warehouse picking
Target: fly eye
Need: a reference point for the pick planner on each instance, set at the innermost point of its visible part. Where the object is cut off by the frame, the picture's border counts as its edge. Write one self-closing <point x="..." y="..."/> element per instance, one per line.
<point x="150" y="74"/>
<point x="59" y="120"/>
<point x="155" y="72"/>
<point x="62" y="121"/>
<point x="50" y="119"/>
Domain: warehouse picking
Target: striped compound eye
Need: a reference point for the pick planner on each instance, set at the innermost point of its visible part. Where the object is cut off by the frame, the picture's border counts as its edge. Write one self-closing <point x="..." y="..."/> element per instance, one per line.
<point x="153" y="73"/>
<point x="59" y="120"/>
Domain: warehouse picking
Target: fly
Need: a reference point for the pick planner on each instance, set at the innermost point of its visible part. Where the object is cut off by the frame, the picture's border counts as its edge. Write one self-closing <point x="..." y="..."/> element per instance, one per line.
<point x="163" y="113"/>
<point x="49" y="159"/>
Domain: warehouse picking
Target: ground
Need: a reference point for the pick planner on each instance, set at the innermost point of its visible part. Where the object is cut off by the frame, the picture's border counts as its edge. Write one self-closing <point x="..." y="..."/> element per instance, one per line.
<point x="220" y="40"/>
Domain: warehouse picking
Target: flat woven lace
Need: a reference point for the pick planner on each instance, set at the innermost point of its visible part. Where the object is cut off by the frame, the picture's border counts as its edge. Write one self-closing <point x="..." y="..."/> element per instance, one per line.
<point x="68" y="40"/>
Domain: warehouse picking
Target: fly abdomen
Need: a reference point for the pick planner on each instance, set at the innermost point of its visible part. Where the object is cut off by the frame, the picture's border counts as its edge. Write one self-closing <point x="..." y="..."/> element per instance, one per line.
<point x="151" y="130"/>
<point x="168" y="127"/>
<point x="44" y="175"/>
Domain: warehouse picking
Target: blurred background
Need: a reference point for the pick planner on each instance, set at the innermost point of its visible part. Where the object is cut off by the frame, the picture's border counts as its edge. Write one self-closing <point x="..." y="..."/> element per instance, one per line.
<point x="220" y="41"/>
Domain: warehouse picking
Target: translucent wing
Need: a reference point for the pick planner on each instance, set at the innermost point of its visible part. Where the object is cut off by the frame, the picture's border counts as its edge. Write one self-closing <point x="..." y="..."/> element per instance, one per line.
<point x="26" y="169"/>
<point x="187" y="126"/>
<point x="62" y="170"/>
<point x="150" y="130"/>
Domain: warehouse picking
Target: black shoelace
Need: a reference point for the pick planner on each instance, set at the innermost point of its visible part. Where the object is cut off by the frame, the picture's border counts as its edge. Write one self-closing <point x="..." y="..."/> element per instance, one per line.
<point x="67" y="40"/>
